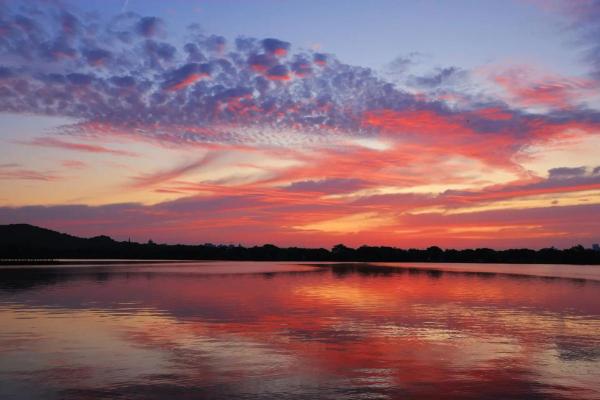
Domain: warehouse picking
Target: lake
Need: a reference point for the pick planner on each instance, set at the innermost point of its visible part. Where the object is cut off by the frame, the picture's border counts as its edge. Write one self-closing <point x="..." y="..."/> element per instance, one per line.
<point x="265" y="330"/>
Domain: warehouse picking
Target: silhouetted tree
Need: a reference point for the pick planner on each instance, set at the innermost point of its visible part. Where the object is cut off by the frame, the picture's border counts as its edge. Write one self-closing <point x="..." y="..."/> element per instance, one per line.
<point x="23" y="241"/>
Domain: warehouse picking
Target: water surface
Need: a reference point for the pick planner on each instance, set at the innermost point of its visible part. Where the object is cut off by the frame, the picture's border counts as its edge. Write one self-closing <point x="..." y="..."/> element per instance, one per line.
<point x="224" y="330"/>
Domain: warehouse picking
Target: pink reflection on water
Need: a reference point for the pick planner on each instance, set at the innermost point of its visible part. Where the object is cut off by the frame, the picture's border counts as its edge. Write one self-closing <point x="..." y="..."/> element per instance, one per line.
<point x="151" y="332"/>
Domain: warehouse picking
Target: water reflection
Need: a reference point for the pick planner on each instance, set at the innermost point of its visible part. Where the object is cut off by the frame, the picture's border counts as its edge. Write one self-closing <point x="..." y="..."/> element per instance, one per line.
<point x="266" y="330"/>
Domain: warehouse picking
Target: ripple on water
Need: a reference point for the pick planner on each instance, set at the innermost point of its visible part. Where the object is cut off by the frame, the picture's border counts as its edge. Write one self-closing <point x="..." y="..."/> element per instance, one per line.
<point x="264" y="331"/>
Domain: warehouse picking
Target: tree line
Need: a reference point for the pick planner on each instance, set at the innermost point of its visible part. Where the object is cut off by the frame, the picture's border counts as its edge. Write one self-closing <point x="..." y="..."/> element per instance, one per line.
<point x="30" y="242"/>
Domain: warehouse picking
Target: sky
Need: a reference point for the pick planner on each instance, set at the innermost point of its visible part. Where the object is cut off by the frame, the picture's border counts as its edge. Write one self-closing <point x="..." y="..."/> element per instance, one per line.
<point x="400" y="123"/>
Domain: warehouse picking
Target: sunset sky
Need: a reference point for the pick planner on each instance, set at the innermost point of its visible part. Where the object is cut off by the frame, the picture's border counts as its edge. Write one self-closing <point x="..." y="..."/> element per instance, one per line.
<point x="308" y="123"/>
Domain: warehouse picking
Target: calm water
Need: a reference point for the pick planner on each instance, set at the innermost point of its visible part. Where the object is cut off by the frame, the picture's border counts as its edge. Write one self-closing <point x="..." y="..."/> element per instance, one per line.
<point x="273" y="330"/>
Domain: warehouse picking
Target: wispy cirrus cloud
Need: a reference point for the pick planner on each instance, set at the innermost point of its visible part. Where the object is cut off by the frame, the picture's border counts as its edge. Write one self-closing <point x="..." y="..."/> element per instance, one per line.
<point x="528" y="88"/>
<point x="85" y="147"/>
<point x="14" y="171"/>
<point x="155" y="178"/>
<point x="199" y="219"/>
<point x="586" y="15"/>
<point x="73" y="164"/>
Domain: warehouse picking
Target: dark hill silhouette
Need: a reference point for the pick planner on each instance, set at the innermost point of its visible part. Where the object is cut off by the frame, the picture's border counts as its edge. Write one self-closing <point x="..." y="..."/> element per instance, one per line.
<point x="22" y="241"/>
<point x="19" y="234"/>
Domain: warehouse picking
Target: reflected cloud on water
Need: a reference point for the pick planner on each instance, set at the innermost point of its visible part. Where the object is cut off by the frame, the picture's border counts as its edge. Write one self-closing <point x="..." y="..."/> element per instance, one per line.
<point x="272" y="330"/>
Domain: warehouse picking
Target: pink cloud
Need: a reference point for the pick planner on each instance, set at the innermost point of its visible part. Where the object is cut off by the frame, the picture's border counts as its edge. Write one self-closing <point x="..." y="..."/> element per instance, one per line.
<point x="13" y="171"/>
<point x="73" y="164"/>
<point x="530" y="88"/>
<point x="158" y="177"/>
<point x="89" y="148"/>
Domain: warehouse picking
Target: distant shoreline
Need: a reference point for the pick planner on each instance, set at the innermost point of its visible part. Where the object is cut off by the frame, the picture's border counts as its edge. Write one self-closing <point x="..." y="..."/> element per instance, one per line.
<point x="102" y="261"/>
<point x="21" y="244"/>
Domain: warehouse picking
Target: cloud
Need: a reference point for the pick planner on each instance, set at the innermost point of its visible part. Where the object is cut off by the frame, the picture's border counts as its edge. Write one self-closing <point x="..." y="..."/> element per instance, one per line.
<point x="566" y="183"/>
<point x="276" y="47"/>
<point x="78" y="79"/>
<point x="323" y="94"/>
<point x="565" y="173"/>
<point x="260" y="62"/>
<point x="301" y="67"/>
<point x="442" y="76"/>
<point x="159" y="177"/>
<point x="201" y="219"/>
<point x="333" y="185"/>
<point x="89" y="148"/>
<point x="278" y="73"/>
<point x="320" y="59"/>
<point x="368" y="221"/>
<point x="73" y="164"/>
<point x="14" y="171"/>
<point x="584" y="18"/>
<point x="186" y="76"/>
<point x="401" y="64"/>
<point x="96" y="57"/>
<point x="181" y="92"/>
<point x="70" y="23"/>
<point x="5" y="73"/>
<point x="587" y="15"/>
<point x="157" y="54"/>
<point x="149" y="26"/>
<point x="530" y="88"/>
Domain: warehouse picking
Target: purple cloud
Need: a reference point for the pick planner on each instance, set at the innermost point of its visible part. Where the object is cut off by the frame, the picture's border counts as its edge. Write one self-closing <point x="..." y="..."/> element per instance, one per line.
<point x="278" y="73"/>
<point x="320" y="59"/>
<point x="332" y="186"/>
<point x="276" y="47"/>
<point x="440" y="77"/>
<point x="261" y="62"/>
<point x="566" y="173"/>
<point x="149" y="26"/>
<point x="585" y="15"/>
<point x="96" y="57"/>
<point x="186" y="75"/>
